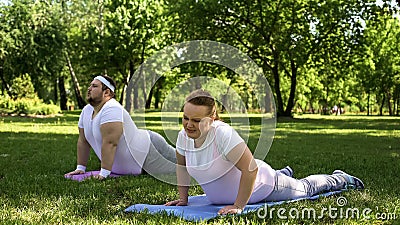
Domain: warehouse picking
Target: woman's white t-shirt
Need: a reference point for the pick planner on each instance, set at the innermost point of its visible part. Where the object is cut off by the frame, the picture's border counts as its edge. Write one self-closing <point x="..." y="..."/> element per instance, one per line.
<point x="218" y="177"/>
<point x="133" y="145"/>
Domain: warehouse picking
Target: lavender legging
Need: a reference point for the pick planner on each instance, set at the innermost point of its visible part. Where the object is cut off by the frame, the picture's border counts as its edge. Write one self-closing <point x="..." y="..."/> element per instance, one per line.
<point x="288" y="188"/>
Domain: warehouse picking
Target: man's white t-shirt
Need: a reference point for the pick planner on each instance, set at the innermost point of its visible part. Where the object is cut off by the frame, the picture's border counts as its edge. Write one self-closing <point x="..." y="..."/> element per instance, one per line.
<point x="133" y="145"/>
<point x="218" y="177"/>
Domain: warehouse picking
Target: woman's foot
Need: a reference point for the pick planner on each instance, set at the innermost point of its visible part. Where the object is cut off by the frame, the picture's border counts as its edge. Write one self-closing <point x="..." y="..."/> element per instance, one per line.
<point x="352" y="182"/>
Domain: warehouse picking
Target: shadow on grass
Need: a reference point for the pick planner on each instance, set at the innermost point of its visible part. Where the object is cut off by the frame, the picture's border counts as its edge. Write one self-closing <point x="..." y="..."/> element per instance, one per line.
<point x="28" y="155"/>
<point x="70" y="116"/>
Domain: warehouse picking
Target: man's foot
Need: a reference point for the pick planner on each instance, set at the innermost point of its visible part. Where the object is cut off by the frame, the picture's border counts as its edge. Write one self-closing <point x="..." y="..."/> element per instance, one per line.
<point x="352" y="182"/>
<point x="287" y="171"/>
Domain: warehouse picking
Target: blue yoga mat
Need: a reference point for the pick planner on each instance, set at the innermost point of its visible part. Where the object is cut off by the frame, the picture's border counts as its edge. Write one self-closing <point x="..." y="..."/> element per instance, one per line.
<point x="199" y="208"/>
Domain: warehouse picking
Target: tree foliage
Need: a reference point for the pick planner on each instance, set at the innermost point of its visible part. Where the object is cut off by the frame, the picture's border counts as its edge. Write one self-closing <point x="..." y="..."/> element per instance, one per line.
<point x="314" y="54"/>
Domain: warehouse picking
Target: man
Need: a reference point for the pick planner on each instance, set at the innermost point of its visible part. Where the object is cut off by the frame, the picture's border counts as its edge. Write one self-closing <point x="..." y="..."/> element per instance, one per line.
<point x="107" y="128"/>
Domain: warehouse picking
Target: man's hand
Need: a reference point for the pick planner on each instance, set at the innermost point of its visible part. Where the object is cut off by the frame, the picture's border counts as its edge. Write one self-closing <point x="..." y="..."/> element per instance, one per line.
<point x="75" y="172"/>
<point x="98" y="177"/>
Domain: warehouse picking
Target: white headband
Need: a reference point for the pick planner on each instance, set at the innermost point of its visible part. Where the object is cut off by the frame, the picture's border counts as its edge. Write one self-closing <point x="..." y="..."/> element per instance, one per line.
<point x="105" y="82"/>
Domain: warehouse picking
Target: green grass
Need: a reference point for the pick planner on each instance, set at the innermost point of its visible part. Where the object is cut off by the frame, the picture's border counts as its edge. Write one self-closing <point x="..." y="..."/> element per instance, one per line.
<point x="36" y="152"/>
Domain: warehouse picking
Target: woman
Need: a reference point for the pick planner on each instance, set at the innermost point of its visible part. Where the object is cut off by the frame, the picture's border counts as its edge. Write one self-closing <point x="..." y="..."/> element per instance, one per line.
<point x="215" y="155"/>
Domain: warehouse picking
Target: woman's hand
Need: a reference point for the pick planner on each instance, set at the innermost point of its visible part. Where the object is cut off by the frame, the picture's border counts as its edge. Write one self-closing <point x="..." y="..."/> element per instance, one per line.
<point x="230" y="209"/>
<point x="179" y="202"/>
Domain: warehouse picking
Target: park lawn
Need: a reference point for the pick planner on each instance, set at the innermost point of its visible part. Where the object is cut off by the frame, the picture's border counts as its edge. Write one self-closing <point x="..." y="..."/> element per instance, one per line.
<point x="36" y="152"/>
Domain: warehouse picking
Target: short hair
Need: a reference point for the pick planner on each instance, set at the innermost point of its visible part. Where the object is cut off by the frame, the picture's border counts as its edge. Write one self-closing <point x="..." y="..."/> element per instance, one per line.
<point x="112" y="82"/>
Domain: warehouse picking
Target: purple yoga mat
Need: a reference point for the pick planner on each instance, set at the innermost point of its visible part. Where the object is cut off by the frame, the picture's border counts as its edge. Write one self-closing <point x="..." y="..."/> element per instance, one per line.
<point x="89" y="174"/>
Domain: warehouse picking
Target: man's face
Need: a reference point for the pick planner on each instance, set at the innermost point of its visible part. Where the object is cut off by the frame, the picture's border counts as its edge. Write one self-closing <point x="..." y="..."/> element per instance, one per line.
<point x="95" y="93"/>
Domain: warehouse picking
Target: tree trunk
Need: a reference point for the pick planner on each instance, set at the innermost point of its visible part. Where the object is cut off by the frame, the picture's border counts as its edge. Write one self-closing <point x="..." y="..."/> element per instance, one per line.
<point x="246" y="104"/>
<point x="124" y="86"/>
<point x="277" y="87"/>
<point x="381" y="108"/>
<point x="56" y="90"/>
<point x="63" y="93"/>
<point x="325" y="108"/>
<point x="368" y="106"/>
<point x="121" y="96"/>
<point x="4" y="86"/>
<point x="78" y="95"/>
<point x="224" y="99"/>
<point x="132" y="90"/>
<point x="389" y="98"/>
<point x="293" y="83"/>
<point x="135" y="97"/>
<point x="157" y="98"/>
<point x="128" y="103"/>
<point x="157" y="95"/>
<point x="143" y="83"/>
<point x="136" y="89"/>
<point x="269" y="103"/>
<point x="396" y="102"/>
<point x="148" y="101"/>
<point x="312" y="108"/>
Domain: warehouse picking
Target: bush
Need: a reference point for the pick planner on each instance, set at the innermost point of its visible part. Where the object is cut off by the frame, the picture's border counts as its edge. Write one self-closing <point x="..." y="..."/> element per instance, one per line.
<point x="22" y="87"/>
<point x="24" y="100"/>
<point x="28" y="106"/>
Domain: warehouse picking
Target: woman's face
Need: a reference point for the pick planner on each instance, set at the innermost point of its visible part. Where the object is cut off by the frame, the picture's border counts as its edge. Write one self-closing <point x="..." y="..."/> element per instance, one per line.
<point x="196" y="120"/>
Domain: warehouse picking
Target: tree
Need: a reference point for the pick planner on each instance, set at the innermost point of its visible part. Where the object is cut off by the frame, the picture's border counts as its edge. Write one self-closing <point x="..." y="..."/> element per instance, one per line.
<point x="281" y="36"/>
<point x="379" y="70"/>
<point x="119" y="40"/>
<point x="14" y="35"/>
<point x="37" y="30"/>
